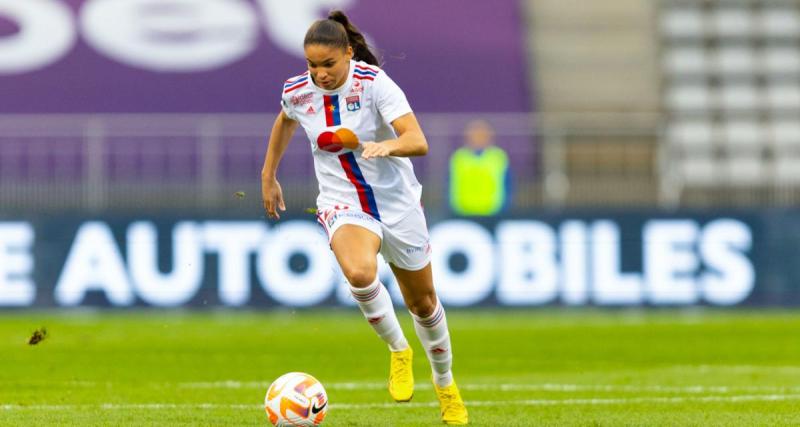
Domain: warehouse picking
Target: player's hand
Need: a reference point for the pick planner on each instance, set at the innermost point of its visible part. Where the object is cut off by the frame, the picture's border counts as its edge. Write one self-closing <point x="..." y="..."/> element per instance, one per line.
<point x="272" y="195"/>
<point x="375" y="149"/>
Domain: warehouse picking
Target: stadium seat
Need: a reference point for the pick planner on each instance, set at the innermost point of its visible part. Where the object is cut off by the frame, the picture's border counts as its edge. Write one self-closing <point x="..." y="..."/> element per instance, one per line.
<point x="744" y="169"/>
<point x="781" y="60"/>
<point x="685" y="22"/>
<point x="744" y="136"/>
<point x="699" y="171"/>
<point x="738" y="97"/>
<point x="689" y="97"/>
<point x="787" y="170"/>
<point x="735" y="60"/>
<point x="784" y="96"/>
<point x="692" y="136"/>
<point x="780" y="22"/>
<point x="786" y="137"/>
<point x="728" y="22"/>
<point x="686" y="60"/>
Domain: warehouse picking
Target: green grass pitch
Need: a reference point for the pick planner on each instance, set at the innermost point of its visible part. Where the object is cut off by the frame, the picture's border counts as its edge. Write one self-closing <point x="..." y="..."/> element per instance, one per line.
<point x="516" y="367"/>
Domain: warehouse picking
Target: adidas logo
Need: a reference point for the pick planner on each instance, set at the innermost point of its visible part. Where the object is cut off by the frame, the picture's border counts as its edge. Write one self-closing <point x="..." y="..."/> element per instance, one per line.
<point x="311" y="110"/>
<point x="375" y="320"/>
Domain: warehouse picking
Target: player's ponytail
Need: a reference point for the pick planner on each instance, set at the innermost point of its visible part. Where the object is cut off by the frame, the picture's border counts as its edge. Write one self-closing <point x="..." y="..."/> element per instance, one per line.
<point x="361" y="50"/>
<point x="338" y="31"/>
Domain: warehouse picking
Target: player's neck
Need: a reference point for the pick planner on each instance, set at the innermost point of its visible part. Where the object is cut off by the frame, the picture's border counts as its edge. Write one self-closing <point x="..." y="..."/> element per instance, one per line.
<point x="340" y="87"/>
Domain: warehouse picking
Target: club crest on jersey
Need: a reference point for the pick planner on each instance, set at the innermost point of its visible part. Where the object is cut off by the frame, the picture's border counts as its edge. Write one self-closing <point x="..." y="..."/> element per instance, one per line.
<point x="353" y="103"/>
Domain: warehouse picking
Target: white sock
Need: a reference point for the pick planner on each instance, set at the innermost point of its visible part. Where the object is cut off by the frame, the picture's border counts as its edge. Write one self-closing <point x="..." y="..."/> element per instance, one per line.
<point x="435" y="338"/>
<point x="376" y="304"/>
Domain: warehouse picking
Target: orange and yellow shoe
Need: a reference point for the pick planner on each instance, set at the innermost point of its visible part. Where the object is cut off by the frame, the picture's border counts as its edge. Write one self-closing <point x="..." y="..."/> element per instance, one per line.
<point x="401" y="375"/>
<point x="453" y="410"/>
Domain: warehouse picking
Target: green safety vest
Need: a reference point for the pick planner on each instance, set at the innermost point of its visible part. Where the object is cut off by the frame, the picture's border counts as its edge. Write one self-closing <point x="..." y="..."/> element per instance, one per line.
<point x="477" y="181"/>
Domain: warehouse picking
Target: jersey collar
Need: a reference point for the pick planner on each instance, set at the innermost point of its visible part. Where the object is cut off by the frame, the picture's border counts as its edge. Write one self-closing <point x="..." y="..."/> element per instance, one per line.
<point x="342" y="88"/>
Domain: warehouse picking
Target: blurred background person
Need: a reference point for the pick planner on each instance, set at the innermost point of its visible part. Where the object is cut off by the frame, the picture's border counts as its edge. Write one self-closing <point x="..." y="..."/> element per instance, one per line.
<point x="480" y="176"/>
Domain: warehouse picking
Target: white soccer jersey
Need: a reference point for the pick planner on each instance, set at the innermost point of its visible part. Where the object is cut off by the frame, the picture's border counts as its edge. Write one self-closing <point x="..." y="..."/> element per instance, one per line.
<point x="369" y="101"/>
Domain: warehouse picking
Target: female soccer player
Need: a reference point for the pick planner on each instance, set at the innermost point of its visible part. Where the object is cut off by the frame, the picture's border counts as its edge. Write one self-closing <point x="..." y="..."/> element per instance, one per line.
<point x="369" y="197"/>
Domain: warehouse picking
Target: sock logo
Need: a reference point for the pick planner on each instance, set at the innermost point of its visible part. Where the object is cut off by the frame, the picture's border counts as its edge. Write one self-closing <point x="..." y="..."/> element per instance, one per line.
<point x="438" y="350"/>
<point x="375" y="320"/>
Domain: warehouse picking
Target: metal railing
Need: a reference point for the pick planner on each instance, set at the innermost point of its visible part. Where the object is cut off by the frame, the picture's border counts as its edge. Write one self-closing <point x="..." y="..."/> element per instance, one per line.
<point x="153" y="163"/>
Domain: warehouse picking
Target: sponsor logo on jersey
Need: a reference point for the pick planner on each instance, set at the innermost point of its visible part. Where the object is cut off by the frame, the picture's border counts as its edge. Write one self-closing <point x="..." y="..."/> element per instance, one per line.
<point x="303" y="99"/>
<point x="311" y="110"/>
<point x="353" y="103"/>
<point x="357" y="87"/>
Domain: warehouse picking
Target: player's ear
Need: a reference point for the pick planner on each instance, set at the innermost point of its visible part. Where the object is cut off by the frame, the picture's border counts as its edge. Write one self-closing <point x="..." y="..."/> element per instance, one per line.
<point x="349" y="52"/>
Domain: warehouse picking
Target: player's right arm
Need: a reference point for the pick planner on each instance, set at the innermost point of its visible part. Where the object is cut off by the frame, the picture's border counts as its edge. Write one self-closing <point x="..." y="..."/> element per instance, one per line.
<point x="271" y="193"/>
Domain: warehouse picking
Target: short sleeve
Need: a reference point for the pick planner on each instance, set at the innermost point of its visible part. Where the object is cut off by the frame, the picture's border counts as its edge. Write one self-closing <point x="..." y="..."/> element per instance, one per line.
<point x="389" y="98"/>
<point x="287" y="109"/>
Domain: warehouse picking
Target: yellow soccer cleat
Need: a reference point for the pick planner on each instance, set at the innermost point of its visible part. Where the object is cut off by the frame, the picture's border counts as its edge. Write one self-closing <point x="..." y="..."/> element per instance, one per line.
<point x="453" y="410"/>
<point x="401" y="375"/>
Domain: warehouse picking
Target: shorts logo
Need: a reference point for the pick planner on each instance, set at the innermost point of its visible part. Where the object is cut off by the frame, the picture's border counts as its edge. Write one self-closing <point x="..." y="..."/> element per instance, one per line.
<point x="353" y="103"/>
<point x="302" y="99"/>
<point x="331" y="216"/>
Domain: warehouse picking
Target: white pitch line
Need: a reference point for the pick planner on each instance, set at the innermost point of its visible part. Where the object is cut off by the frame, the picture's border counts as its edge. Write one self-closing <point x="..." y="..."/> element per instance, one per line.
<point x="475" y="403"/>
<point x="612" y="401"/>
<point x="740" y="369"/>
<point x="690" y="389"/>
<point x="507" y="387"/>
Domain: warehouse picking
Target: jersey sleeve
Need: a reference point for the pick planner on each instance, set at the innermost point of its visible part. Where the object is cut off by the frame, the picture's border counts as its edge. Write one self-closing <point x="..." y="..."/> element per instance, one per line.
<point x="286" y="106"/>
<point x="389" y="98"/>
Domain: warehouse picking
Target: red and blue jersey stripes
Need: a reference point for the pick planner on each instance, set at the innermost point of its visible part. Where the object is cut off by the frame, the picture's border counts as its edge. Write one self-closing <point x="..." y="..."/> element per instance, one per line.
<point x="295" y="82"/>
<point x="365" y="194"/>
<point x="332" y="117"/>
<point x="365" y="73"/>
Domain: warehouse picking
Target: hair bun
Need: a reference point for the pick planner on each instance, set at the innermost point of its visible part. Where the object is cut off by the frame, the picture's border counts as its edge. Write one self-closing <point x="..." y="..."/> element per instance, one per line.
<point x="339" y="16"/>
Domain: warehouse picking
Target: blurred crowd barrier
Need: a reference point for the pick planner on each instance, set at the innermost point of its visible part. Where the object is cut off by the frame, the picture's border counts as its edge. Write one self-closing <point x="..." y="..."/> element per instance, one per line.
<point x="172" y="162"/>
<point x="119" y="163"/>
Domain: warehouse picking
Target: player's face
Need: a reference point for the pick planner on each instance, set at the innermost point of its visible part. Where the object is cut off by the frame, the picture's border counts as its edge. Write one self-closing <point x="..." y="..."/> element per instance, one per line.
<point x="328" y="65"/>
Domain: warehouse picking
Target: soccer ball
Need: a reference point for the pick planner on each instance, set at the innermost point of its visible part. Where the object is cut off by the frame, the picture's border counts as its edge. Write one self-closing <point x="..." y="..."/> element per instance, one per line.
<point x="296" y="399"/>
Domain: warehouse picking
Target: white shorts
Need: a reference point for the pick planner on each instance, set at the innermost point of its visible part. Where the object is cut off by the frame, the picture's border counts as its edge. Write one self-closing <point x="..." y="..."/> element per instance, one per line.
<point x="405" y="244"/>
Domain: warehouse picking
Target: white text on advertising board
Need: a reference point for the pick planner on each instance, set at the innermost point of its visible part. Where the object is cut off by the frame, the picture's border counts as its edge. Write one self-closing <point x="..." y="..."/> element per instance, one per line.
<point x="155" y="35"/>
<point x="520" y="262"/>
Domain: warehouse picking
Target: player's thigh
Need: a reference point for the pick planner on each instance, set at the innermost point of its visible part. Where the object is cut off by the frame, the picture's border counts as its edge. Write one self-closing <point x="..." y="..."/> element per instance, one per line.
<point x="417" y="289"/>
<point x="406" y="244"/>
<point x="356" y="249"/>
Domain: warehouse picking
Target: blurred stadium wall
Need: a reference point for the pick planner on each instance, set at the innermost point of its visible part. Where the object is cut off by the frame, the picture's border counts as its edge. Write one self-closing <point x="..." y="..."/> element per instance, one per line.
<point x="655" y="148"/>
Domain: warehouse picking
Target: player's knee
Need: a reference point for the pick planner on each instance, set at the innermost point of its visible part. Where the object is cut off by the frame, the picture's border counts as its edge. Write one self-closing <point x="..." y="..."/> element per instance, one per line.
<point x="360" y="276"/>
<point x="422" y="305"/>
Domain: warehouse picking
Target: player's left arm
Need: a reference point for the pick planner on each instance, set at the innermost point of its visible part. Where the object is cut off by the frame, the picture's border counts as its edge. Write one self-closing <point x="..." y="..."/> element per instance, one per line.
<point x="410" y="140"/>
